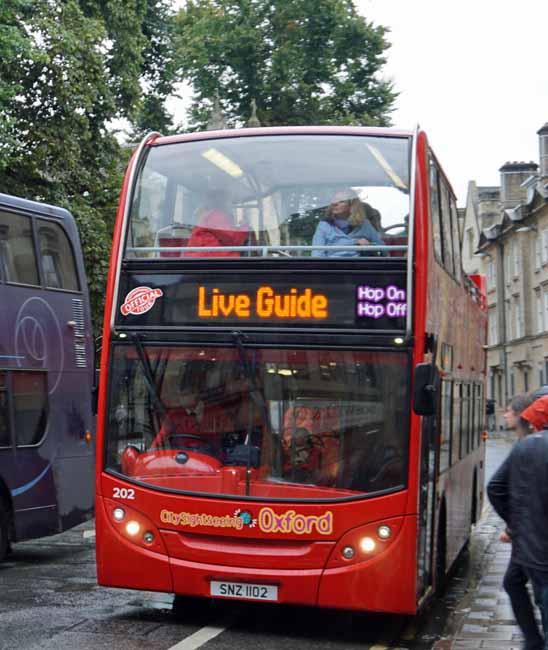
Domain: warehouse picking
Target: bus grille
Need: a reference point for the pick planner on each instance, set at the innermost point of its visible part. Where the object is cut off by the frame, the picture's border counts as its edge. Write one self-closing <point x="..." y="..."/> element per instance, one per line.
<point x="80" y="354"/>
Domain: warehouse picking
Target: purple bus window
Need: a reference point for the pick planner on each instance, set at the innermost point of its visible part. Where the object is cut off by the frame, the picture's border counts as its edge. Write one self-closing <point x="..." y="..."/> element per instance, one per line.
<point x="57" y="258"/>
<point x="18" y="249"/>
<point x="30" y="405"/>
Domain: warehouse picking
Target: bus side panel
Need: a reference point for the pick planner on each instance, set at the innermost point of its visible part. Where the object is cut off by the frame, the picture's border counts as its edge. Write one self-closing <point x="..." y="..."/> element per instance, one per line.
<point x="122" y="564"/>
<point x="371" y="585"/>
<point x="456" y="486"/>
<point x="74" y="505"/>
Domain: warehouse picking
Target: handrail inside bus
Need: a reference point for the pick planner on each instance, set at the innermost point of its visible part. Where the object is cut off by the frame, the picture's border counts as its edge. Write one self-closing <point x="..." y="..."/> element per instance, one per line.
<point x="264" y="249"/>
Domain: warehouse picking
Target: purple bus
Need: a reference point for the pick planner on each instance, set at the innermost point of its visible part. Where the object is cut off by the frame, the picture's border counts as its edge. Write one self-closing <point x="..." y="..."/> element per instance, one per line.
<point x="46" y="374"/>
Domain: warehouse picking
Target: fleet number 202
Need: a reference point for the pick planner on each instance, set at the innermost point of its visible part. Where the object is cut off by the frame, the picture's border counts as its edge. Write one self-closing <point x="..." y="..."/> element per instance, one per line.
<point x="123" y="493"/>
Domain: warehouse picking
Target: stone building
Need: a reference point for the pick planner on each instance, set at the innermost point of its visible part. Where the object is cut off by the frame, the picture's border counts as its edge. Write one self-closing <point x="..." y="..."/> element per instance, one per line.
<point x="505" y="237"/>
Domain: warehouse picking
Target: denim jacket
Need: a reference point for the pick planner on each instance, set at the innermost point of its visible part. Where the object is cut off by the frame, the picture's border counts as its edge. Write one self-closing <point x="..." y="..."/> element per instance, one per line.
<point x="327" y="234"/>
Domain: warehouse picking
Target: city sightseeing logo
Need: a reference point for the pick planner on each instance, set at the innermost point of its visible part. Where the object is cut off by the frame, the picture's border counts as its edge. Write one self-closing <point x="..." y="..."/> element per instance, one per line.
<point x="268" y="521"/>
<point x="140" y="300"/>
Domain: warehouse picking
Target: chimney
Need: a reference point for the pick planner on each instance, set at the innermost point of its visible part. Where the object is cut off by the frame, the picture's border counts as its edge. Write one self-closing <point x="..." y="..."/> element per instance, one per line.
<point x="543" y="149"/>
<point x="512" y="175"/>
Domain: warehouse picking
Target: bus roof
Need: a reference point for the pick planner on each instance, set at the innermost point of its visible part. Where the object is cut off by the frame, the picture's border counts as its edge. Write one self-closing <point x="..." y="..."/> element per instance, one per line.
<point x="43" y="209"/>
<point x="283" y="130"/>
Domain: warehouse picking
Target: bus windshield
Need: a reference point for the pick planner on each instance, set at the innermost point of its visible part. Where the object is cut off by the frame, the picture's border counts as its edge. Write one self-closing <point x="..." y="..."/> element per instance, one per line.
<point x="264" y="423"/>
<point x="283" y="195"/>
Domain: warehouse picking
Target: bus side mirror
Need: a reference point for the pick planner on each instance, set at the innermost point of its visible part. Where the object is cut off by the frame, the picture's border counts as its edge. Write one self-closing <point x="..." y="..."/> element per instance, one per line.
<point x="425" y="389"/>
<point x="95" y="392"/>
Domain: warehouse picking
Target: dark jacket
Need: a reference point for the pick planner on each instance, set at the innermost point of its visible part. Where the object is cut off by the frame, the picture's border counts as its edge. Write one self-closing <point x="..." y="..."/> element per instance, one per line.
<point x="518" y="492"/>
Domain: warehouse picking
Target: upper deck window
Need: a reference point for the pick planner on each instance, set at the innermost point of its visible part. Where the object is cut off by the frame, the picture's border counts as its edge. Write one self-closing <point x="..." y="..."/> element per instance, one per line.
<point x="290" y="195"/>
<point x="17" y="256"/>
<point x="58" y="264"/>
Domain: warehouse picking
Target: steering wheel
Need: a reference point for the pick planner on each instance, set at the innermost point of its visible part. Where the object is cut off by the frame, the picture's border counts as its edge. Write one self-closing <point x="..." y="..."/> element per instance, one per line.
<point x="195" y="443"/>
<point x="394" y="226"/>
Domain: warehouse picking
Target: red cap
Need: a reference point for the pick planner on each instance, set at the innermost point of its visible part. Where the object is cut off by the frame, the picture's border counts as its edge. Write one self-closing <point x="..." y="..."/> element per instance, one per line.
<point x="537" y="413"/>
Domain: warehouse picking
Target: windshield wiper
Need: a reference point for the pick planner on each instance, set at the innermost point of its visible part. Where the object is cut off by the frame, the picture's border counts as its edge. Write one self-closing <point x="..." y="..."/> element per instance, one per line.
<point x="251" y="452"/>
<point x="151" y="386"/>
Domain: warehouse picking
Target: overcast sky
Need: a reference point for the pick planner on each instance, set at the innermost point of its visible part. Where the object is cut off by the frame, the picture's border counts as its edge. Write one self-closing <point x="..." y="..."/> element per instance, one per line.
<point x="473" y="74"/>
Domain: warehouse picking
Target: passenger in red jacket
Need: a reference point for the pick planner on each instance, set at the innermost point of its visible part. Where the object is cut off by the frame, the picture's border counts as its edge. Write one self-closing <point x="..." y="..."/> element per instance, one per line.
<point x="217" y="228"/>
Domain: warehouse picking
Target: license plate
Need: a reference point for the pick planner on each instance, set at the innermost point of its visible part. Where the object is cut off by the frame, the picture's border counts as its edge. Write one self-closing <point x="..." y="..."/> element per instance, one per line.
<point x="244" y="590"/>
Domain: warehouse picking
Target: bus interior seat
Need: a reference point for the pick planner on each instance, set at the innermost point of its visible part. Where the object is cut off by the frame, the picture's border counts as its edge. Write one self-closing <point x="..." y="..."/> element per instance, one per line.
<point x="396" y="240"/>
<point x="128" y="459"/>
<point x="174" y="235"/>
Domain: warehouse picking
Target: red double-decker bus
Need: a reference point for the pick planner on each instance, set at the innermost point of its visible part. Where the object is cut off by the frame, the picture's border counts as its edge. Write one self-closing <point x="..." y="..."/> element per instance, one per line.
<point x="292" y="373"/>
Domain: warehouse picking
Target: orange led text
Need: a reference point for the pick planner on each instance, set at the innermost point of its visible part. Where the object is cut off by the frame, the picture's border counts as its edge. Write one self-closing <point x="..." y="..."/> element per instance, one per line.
<point x="267" y="303"/>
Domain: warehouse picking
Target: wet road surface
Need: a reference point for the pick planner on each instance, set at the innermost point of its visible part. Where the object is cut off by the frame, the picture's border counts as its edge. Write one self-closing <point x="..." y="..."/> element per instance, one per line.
<point x="49" y="600"/>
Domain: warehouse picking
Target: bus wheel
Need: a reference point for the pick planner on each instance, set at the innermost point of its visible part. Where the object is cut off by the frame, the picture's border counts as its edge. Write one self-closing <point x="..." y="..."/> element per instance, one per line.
<point x="4" y="531"/>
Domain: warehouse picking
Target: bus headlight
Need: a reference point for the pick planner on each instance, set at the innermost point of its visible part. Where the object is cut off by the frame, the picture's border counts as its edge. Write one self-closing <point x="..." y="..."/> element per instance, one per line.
<point x="133" y="528"/>
<point x="384" y="532"/>
<point x="367" y="544"/>
<point x="348" y="552"/>
<point x="118" y="514"/>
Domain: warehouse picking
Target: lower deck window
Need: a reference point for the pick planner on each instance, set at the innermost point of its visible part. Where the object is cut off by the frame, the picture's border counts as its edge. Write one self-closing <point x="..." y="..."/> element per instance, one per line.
<point x="259" y="422"/>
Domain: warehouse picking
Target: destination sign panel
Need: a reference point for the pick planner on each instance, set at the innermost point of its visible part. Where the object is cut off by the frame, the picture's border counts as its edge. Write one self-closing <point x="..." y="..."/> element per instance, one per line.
<point x="365" y="301"/>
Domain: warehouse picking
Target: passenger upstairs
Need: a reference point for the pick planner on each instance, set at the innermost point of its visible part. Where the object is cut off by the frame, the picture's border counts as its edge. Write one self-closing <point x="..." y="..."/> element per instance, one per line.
<point x="216" y="227"/>
<point x="346" y="224"/>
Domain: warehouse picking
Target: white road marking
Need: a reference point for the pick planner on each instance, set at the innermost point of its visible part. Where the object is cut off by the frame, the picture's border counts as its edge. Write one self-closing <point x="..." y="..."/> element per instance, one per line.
<point x="88" y="533"/>
<point x="199" y="638"/>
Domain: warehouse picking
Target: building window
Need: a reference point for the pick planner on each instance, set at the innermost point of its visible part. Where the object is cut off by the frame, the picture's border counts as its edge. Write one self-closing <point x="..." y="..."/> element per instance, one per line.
<point x="540" y="312"/>
<point x="525" y="381"/>
<point x="500" y="388"/>
<point x="538" y="253"/>
<point x="512" y="384"/>
<point x="545" y="302"/>
<point x="516" y="261"/>
<point x="508" y="265"/>
<point x="491" y="275"/>
<point x="519" y="318"/>
<point x="493" y="329"/>
<point x="544" y="252"/>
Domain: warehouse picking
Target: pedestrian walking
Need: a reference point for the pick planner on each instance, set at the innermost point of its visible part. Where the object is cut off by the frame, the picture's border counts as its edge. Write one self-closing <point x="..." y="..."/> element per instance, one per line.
<point x="519" y="494"/>
<point x="516" y="578"/>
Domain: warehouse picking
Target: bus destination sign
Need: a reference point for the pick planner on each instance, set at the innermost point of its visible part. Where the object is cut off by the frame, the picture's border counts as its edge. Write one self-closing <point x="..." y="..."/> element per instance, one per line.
<point x="264" y="303"/>
<point x="343" y="301"/>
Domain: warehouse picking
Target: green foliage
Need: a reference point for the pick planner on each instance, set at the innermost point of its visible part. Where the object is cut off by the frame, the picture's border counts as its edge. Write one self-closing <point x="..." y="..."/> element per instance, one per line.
<point x="68" y="68"/>
<point x="303" y="61"/>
